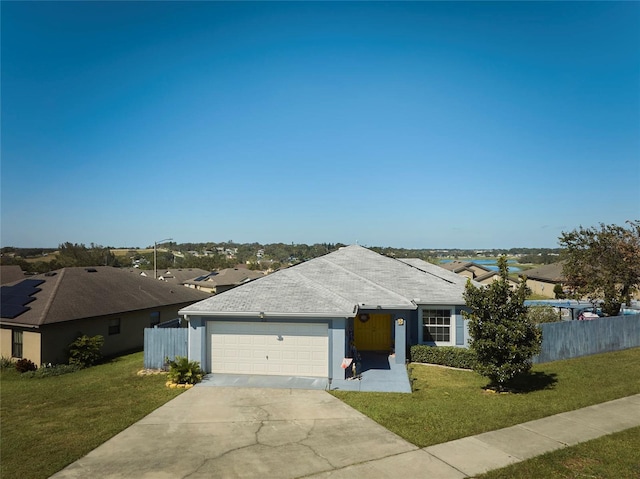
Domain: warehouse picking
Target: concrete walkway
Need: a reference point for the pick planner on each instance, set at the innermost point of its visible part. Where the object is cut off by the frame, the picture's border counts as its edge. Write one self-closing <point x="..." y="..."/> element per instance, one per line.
<point x="380" y="373"/>
<point x="293" y="433"/>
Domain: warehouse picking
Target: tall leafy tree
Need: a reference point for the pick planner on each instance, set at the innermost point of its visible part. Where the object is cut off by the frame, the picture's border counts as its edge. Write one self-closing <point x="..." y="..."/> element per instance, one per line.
<point x="74" y="254"/>
<point x="603" y="263"/>
<point x="502" y="334"/>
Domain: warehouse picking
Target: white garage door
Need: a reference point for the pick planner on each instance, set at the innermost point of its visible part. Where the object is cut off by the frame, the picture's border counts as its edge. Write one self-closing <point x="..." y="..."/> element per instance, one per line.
<point x="285" y="349"/>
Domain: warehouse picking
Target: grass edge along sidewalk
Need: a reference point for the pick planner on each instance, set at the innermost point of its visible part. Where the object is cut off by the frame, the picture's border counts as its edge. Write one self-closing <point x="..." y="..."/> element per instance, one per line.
<point x="450" y="404"/>
<point x="615" y="455"/>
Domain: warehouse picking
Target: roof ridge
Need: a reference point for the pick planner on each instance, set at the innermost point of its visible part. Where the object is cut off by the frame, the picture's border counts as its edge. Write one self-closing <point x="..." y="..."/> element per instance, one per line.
<point x="373" y="283"/>
<point x="45" y="311"/>
<point x="320" y="285"/>
<point x="425" y="271"/>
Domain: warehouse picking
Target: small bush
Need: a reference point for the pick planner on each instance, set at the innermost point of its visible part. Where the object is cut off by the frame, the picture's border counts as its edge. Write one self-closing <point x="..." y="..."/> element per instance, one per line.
<point x="85" y="351"/>
<point x="444" y="355"/>
<point x="543" y="314"/>
<point x="183" y="371"/>
<point x="23" y="365"/>
<point x="558" y="290"/>
<point x="6" y="363"/>
<point x="49" y="371"/>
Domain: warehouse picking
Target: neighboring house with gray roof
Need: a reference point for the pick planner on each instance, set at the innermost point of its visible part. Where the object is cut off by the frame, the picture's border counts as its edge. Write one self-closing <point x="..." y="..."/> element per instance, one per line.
<point x="476" y="272"/>
<point x="219" y="281"/>
<point x="543" y="279"/>
<point x="173" y="275"/>
<point x="491" y="276"/>
<point x="304" y="320"/>
<point x="43" y="314"/>
<point x="468" y="269"/>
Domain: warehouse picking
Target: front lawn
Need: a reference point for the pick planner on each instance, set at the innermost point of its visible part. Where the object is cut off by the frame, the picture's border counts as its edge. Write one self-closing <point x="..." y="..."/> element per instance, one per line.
<point x="615" y="456"/>
<point x="51" y="422"/>
<point x="48" y="423"/>
<point x="449" y="404"/>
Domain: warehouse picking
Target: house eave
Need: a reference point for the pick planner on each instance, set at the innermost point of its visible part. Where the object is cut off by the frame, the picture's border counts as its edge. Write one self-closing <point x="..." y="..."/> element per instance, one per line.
<point x="18" y="325"/>
<point x="386" y="307"/>
<point x="438" y="302"/>
<point x="263" y="314"/>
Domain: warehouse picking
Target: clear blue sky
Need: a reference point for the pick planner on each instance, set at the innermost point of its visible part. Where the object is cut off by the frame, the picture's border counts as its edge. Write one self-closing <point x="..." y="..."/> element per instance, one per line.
<point x="423" y="124"/>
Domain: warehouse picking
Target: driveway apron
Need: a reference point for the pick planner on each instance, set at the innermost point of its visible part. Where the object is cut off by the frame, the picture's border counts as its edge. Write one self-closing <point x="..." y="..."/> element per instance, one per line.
<point x="241" y="432"/>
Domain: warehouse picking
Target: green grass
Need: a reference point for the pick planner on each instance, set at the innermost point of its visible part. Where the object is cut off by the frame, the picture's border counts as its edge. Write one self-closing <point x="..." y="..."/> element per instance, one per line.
<point x="449" y="404"/>
<point x="48" y="423"/>
<point x="614" y="456"/>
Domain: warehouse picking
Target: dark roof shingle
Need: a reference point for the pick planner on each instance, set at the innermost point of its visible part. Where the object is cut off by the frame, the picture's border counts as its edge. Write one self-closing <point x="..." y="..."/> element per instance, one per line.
<point x="75" y="293"/>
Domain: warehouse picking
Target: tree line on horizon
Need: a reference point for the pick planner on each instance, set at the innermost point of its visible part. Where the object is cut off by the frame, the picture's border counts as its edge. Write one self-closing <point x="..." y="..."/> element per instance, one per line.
<point x="598" y="262"/>
<point x="273" y="255"/>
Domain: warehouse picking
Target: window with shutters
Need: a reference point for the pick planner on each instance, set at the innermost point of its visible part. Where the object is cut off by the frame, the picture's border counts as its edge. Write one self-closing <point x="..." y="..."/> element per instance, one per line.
<point x="437" y="326"/>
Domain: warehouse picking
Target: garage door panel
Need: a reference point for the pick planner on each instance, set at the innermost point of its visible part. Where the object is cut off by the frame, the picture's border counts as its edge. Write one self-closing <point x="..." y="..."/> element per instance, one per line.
<point x="289" y="355"/>
<point x="291" y="349"/>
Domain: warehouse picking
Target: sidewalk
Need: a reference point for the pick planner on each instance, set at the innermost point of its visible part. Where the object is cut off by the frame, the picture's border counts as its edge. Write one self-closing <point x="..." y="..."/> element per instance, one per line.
<point x="470" y="456"/>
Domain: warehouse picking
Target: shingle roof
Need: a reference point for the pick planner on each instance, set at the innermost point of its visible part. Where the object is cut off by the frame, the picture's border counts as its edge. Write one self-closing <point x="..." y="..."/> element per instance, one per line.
<point x="180" y="275"/>
<point x="456" y="266"/>
<point x="337" y="284"/>
<point x="548" y="272"/>
<point x="226" y="277"/>
<point x="10" y="273"/>
<point x="435" y="269"/>
<point x="76" y="293"/>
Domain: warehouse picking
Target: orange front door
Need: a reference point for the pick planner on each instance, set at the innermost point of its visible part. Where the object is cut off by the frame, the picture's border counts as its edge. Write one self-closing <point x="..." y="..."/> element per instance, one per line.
<point x="373" y="334"/>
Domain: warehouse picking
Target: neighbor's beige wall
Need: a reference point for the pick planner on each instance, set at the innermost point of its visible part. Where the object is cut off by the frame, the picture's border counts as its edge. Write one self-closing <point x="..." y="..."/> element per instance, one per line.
<point x="477" y="271"/>
<point x="57" y="337"/>
<point x="5" y="343"/>
<point x="30" y="344"/>
<point x="541" y="288"/>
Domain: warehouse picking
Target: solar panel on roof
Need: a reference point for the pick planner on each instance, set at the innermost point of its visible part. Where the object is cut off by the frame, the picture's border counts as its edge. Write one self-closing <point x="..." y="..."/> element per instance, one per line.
<point x="11" y="311"/>
<point x="15" y="298"/>
<point x="26" y="289"/>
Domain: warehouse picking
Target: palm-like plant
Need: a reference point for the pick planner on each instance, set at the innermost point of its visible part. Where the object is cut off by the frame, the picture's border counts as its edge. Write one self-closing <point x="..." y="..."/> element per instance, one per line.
<point x="183" y="371"/>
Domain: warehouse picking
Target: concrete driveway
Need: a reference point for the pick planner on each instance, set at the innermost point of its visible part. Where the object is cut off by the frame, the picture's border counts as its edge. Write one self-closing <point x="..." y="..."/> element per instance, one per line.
<point x="242" y="432"/>
<point x="230" y="432"/>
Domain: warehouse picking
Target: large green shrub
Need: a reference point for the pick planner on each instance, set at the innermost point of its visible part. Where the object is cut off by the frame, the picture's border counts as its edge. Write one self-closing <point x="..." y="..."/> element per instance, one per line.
<point x="444" y="355"/>
<point x="183" y="371"/>
<point x="85" y="351"/>
<point x="502" y="335"/>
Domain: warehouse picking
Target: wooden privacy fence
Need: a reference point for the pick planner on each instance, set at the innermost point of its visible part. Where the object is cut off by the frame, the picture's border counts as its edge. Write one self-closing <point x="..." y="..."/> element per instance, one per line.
<point x="571" y="339"/>
<point x="160" y="343"/>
